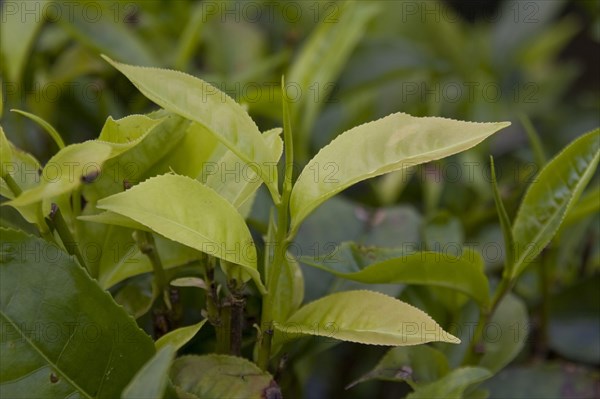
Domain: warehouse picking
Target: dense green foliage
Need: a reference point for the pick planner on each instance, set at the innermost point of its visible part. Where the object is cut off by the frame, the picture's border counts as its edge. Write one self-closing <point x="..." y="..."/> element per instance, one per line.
<point x="225" y="232"/>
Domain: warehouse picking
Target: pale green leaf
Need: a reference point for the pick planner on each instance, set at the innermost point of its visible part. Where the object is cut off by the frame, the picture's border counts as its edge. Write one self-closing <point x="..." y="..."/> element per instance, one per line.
<point x="416" y="365"/>
<point x="62" y="336"/>
<point x="550" y="197"/>
<point x="235" y="180"/>
<point x="65" y="170"/>
<point x="200" y="102"/>
<point x="22" y="167"/>
<point x="140" y="159"/>
<point x="115" y="219"/>
<point x="63" y="173"/>
<point x="462" y="273"/>
<point x="366" y="317"/>
<point x="128" y="130"/>
<point x="222" y="376"/>
<point x="392" y="143"/>
<point x="189" y="282"/>
<point x="184" y="210"/>
<point x="150" y="382"/>
<point x="452" y="385"/>
<point x="5" y="152"/>
<point x="47" y="127"/>
<point x="179" y="337"/>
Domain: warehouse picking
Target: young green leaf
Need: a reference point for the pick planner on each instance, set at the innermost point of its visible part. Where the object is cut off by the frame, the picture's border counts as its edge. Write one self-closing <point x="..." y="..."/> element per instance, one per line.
<point x="19" y="165"/>
<point x="200" y="102"/>
<point x="463" y="273"/>
<point x="179" y="337"/>
<point x="366" y="317"/>
<point x="509" y="241"/>
<point x="453" y="385"/>
<point x="63" y="173"/>
<point x="40" y="285"/>
<point x="550" y="197"/>
<point x="221" y="376"/>
<point x="152" y="379"/>
<point x="128" y="130"/>
<point x="239" y="186"/>
<point x="184" y="210"/>
<point x="375" y="148"/>
<point x="47" y="127"/>
<point x="5" y="153"/>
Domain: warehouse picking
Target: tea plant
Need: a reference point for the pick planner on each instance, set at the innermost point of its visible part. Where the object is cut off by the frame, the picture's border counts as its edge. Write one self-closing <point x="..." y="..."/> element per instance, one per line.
<point x="156" y="194"/>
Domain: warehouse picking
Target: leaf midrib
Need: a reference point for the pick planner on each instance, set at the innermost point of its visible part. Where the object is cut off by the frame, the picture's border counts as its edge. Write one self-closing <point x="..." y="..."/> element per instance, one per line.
<point x="43" y="355"/>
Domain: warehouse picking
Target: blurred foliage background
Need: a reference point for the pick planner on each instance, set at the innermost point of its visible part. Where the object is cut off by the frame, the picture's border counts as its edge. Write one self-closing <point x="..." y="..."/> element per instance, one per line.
<point x="535" y="63"/>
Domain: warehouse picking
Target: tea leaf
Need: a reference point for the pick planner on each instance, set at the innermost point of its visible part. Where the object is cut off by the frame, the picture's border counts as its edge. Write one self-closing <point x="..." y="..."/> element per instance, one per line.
<point x="550" y="197"/>
<point x="237" y="181"/>
<point x="82" y="328"/>
<point x="221" y="376"/>
<point x="184" y="210"/>
<point x="47" y="127"/>
<point x="392" y="143"/>
<point x="63" y="173"/>
<point x="179" y="337"/>
<point x="452" y="385"/>
<point x="463" y="273"/>
<point x="200" y="102"/>
<point x="366" y="317"/>
<point x="152" y="379"/>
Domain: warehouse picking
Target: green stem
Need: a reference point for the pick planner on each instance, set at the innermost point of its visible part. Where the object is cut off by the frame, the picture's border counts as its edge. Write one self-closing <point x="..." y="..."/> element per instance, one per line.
<point x="147" y="246"/>
<point x="66" y="237"/>
<point x="282" y="239"/>
<point x="475" y="347"/>
<point x="544" y="276"/>
<point x="12" y="184"/>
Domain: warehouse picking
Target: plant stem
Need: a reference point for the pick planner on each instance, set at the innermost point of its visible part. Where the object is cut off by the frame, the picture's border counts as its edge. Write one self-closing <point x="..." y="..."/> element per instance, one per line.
<point x="147" y="246"/>
<point x="544" y="276"/>
<point x="282" y="240"/>
<point x="65" y="235"/>
<point x="217" y="315"/>
<point x="475" y="347"/>
<point x="237" y="303"/>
